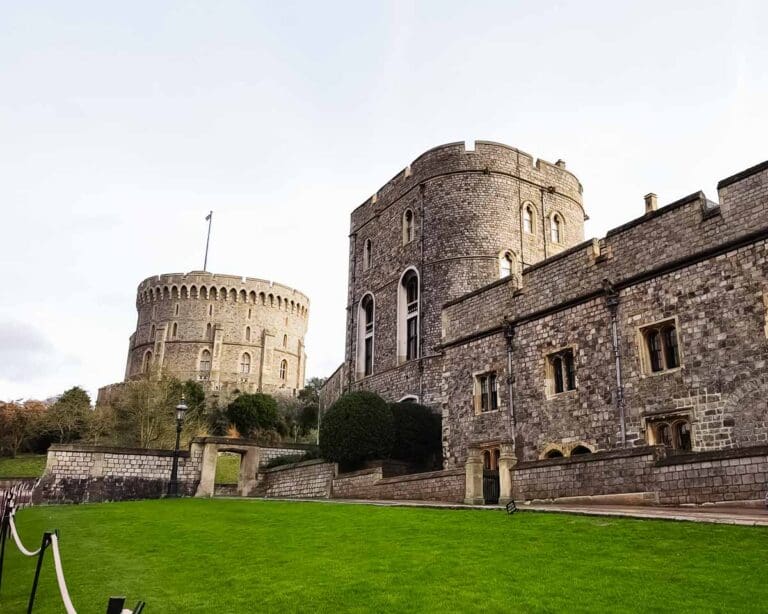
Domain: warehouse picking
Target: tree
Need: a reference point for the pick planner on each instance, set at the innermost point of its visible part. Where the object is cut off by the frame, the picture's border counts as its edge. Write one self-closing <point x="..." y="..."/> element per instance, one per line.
<point x="68" y="416"/>
<point x="252" y="414"/>
<point x="357" y="427"/>
<point x="18" y="423"/>
<point x="418" y="434"/>
<point x="308" y="418"/>
<point x="145" y="413"/>
<point x="310" y="394"/>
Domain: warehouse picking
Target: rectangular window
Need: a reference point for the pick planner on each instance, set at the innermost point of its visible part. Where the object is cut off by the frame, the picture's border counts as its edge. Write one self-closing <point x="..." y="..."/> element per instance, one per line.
<point x="368" y="356"/>
<point x="660" y="347"/>
<point x="412" y="346"/>
<point x="487" y="392"/>
<point x="561" y="369"/>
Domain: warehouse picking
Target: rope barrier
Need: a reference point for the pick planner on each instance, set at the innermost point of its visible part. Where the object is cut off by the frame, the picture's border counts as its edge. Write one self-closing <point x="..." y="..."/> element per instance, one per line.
<point x="8" y="531"/>
<point x="16" y="539"/>
<point x="60" y="576"/>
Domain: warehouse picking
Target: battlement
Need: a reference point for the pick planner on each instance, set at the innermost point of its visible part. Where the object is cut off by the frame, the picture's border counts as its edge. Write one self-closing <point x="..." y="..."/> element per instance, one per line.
<point x="672" y="237"/>
<point x="486" y="157"/>
<point x="211" y="286"/>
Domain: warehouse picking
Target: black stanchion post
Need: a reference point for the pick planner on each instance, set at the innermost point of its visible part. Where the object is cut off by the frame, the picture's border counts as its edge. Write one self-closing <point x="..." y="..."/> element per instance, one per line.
<point x="115" y="605"/>
<point x="5" y="529"/>
<point x="43" y="545"/>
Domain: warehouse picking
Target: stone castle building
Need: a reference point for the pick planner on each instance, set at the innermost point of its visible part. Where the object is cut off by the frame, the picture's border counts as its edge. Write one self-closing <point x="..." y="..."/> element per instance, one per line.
<point x="472" y="290"/>
<point x="227" y="332"/>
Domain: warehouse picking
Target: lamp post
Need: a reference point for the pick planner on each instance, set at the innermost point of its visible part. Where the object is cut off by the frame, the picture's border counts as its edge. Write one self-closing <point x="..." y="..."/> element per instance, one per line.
<point x="173" y="485"/>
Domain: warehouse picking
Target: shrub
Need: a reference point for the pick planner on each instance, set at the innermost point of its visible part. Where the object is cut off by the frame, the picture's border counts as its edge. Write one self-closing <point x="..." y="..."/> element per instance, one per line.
<point x="253" y="412"/>
<point x="417" y="434"/>
<point x="356" y="428"/>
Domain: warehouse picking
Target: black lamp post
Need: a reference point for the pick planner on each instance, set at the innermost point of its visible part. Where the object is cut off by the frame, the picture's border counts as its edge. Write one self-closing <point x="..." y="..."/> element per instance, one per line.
<point x="173" y="485"/>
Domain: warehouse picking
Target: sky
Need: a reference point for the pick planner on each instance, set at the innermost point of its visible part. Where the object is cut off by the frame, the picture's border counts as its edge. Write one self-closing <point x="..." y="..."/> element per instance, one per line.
<point x="123" y="124"/>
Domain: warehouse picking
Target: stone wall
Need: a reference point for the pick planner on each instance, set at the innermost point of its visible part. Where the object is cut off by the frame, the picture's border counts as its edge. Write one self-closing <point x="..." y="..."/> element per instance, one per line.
<point x="706" y="477"/>
<point x="268" y="453"/>
<point x="80" y="473"/>
<point x="694" y="263"/>
<point x="307" y="480"/>
<point x="445" y="486"/>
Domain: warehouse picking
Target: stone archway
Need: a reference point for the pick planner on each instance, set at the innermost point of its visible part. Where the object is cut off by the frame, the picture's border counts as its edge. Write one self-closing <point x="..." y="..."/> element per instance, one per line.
<point x="250" y="455"/>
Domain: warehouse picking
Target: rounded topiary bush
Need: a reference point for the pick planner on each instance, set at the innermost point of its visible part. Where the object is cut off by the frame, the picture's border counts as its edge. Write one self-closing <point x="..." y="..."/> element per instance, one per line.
<point x="356" y="428"/>
<point x="418" y="434"/>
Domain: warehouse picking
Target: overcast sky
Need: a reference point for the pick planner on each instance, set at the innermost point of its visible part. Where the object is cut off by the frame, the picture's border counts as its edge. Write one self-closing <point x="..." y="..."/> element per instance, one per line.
<point x="122" y="124"/>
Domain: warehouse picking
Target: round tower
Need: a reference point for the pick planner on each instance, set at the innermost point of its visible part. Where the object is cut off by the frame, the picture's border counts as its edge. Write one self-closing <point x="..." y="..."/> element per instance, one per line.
<point x="451" y="222"/>
<point x="226" y="332"/>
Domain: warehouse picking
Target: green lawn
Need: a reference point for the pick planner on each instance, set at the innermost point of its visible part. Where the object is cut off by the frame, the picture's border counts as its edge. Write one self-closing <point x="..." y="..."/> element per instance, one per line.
<point x="227" y="468"/>
<point x="23" y="466"/>
<point x="225" y="556"/>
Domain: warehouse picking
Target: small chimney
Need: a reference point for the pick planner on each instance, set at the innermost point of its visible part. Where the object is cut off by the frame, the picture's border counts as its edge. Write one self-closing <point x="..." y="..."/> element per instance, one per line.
<point x="560" y="163"/>
<point x="651" y="202"/>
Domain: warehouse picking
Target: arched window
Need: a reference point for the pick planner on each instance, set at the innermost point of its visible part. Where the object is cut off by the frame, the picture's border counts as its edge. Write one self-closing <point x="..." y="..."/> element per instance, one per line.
<point x="205" y="361"/>
<point x="528" y="219"/>
<point x="208" y="331"/>
<point x="283" y="369"/>
<point x="506" y="264"/>
<point x="285" y="341"/>
<point x="174" y="330"/>
<point x="408" y="316"/>
<point x="580" y="450"/>
<point x="147" y="362"/>
<point x="556" y="228"/>
<point x="245" y="363"/>
<point x="249" y="313"/>
<point x="247" y="333"/>
<point x="408" y="219"/>
<point x="365" y="326"/>
<point x="367" y="254"/>
<point x="554" y="453"/>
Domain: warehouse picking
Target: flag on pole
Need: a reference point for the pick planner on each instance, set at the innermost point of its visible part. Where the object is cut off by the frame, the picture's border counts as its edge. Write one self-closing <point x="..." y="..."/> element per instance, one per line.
<point x="208" y="217"/>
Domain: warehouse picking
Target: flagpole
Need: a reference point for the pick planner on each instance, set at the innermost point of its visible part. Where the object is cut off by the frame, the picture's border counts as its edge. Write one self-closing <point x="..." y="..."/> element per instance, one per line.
<point x="208" y="217"/>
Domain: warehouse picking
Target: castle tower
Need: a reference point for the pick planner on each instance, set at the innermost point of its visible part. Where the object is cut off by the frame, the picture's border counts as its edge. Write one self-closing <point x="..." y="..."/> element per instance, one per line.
<point x="452" y="222"/>
<point x="227" y="332"/>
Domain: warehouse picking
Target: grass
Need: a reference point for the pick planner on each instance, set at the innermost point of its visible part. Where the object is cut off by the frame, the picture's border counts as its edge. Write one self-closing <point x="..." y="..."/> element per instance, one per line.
<point x="195" y="555"/>
<point x="23" y="466"/>
<point x="227" y="468"/>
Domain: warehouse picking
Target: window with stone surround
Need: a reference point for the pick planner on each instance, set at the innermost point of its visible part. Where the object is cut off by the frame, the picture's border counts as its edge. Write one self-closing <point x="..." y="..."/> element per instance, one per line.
<point x="205" y="361"/>
<point x="367" y="254"/>
<point x="507" y="264"/>
<point x="146" y="362"/>
<point x="152" y="333"/>
<point x="660" y="347"/>
<point x="208" y="331"/>
<point x="486" y="393"/>
<point x="408" y="223"/>
<point x="283" y="369"/>
<point x="285" y="341"/>
<point x="670" y="431"/>
<point x="174" y="330"/>
<point x="408" y="315"/>
<point x="528" y="218"/>
<point x="561" y="372"/>
<point x="245" y="363"/>
<point x="556" y="228"/>
<point x="365" y="336"/>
